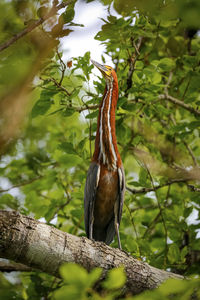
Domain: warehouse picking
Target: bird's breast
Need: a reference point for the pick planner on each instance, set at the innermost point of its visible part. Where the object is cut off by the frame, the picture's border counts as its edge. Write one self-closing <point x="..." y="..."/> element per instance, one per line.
<point x="106" y="196"/>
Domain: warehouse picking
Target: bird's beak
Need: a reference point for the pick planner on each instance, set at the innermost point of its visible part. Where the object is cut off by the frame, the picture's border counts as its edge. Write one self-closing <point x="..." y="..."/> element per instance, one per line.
<point x="101" y="68"/>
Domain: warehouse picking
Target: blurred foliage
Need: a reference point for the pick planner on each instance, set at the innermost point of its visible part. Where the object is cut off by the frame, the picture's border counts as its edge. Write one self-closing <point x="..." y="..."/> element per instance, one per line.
<point x="155" y="47"/>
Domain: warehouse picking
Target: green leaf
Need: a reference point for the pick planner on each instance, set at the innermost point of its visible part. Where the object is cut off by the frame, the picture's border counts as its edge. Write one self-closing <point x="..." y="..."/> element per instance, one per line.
<point x="42" y="11"/>
<point x="8" y="200"/>
<point x="156" y="77"/>
<point x="184" y="252"/>
<point x="44" y="103"/>
<point x="74" y="274"/>
<point x="68" y="15"/>
<point x="68" y="112"/>
<point x="143" y="175"/>
<point x="92" y="115"/>
<point x="173" y="253"/>
<point x="94" y="275"/>
<point x="172" y="286"/>
<point x="67" y="147"/>
<point x="167" y="64"/>
<point x="116" y="279"/>
<point x="41" y="107"/>
<point x="68" y="292"/>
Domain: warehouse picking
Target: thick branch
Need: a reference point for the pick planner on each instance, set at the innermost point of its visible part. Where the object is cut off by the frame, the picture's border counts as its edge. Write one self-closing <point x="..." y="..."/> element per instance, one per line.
<point x="43" y="247"/>
<point x="53" y="11"/>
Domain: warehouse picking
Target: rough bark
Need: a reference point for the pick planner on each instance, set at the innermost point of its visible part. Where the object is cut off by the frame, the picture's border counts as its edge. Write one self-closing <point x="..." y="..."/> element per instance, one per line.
<point x="37" y="245"/>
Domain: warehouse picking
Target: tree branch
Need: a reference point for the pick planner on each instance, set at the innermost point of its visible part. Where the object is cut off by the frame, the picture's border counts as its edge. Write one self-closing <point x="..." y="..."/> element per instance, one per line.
<point x="80" y="109"/>
<point x="153" y="188"/>
<point x="179" y="103"/>
<point x="132" y="63"/>
<point x="10" y="267"/>
<point x="20" y="184"/>
<point x="39" y="246"/>
<point x="58" y="84"/>
<point x="38" y="22"/>
<point x="157" y="187"/>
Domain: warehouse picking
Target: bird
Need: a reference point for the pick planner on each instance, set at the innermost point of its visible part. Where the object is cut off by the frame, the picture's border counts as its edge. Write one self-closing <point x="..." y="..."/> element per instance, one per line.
<point x="105" y="182"/>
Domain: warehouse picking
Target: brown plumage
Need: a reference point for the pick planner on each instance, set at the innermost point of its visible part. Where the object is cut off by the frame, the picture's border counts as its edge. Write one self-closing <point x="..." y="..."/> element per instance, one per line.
<point x="105" y="184"/>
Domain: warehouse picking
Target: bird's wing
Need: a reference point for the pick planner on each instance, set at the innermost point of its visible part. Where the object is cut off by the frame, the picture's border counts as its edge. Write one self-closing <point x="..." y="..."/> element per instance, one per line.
<point x="121" y="191"/>
<point x="90" y="194"/>
<point x="120" y="201"/>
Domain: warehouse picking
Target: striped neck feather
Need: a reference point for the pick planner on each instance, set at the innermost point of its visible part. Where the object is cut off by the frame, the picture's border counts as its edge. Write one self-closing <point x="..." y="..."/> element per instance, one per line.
<point x="106" y="151"/>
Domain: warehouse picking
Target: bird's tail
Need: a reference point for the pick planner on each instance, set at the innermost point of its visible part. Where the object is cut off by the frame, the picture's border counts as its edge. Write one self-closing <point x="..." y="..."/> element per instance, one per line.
<point x="105" y="234"/>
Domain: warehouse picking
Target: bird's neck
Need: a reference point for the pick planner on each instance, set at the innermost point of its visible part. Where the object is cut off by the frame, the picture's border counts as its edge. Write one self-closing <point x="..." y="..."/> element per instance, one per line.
<point x="106" y="151"/>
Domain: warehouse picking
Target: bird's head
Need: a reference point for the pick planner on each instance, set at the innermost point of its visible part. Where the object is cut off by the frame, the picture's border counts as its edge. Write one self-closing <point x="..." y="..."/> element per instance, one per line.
<point x="107" y="71"/>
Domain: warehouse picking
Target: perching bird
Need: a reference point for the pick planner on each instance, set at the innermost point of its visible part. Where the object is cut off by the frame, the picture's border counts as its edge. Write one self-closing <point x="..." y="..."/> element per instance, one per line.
<point x="105" y="184"/>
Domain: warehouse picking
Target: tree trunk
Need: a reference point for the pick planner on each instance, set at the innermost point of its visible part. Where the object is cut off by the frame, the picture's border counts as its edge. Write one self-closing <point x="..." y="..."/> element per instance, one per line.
<point x="37" y="245"/>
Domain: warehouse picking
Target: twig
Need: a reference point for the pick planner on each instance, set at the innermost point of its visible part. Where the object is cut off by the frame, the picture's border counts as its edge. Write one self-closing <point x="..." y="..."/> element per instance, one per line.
<point x="186" y="89"/>
<point x="193" y="188"/>
<point x="179" y="103"/>
<point x="10" y="267"/>
<point x="38" y="22"/>
<point x="186" y="145"/>
<point x="132" y="64"/>
<point x="168" y="82"/>
<point x="151" y="225"/>
<point x="59" y="208"/>
<point x="20" y="184"/>
<point x="80" y="109"/>
<point x="59" y="85"/>
<point x="161" y="214"/>
<point x="191" y="153"/>
<point x="150" y="206"/>
<point x="133" y="224"/>
<point x="153" y="188"/>
<point x="137" y="47"/>
<point x="63" y="65"/>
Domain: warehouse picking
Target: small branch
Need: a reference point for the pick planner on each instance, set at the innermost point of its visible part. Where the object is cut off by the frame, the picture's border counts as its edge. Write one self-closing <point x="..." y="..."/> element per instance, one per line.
<point x="80" y="109"/>
<point x="186" y="145"/>
<point x="59" y="85"/>
<point x="168" y="83"/>
<point x="153" y="188"/>
<point x="193" y="188"/>
<point x="180" y="103"/>
<point x="133" y="224"/>
<point x="63" y="65"/>
<point x="10" y="267"/>
<point x="145" y="207"/>
<point x="137" y="47"/>
<point x="31" y="27"/>
<point x="162" y="216"/>
<point x="191" y="154"/>
<point x="133" y="60"/>
<point x="20" y="184"/>
<point x="151" y="225"/>
<point x="186" y="89"/>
